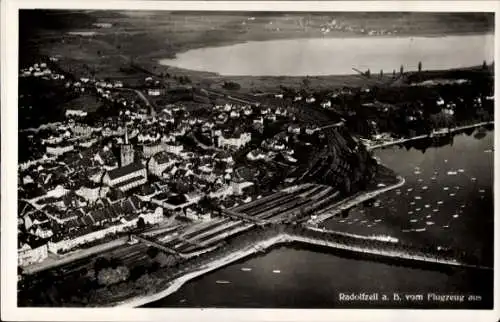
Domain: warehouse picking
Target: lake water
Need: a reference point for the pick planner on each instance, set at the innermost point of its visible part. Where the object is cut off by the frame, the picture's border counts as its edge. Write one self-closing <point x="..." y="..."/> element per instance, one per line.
<point x="447" y="199"/>
<point x="337" y="56"/>
<point x="312" y="279"/>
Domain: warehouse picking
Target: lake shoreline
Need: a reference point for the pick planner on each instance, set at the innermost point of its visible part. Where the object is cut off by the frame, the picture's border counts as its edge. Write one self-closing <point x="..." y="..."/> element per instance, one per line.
<point x="207" y="59"/>
<point x="419" y="137"/>
<point x="292" y="36"/>
<point x="261" y="246"/>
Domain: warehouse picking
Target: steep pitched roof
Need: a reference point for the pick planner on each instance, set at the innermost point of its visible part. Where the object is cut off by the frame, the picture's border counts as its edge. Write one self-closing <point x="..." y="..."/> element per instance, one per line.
<point x="120" y="172"/>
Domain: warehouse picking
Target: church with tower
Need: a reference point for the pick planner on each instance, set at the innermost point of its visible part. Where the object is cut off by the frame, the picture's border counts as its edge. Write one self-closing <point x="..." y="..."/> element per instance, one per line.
<point x="126" y="152"/>
<point x="130" y="174"/>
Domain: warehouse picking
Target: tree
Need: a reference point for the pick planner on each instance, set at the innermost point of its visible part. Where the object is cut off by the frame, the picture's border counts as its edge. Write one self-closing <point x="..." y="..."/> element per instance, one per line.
<point x="207" y="203"/>
<point x="110" y="276"/>
<point x="99" y="264"/>
<point x="419" y="66"/>
<point x="306" y="81"/>
<point x="141" y="224"/>
<point x="401" y="70"/>
<point x="485" y="65"/>
<point x="231" y="86"/>
<point x="152" y="252"/>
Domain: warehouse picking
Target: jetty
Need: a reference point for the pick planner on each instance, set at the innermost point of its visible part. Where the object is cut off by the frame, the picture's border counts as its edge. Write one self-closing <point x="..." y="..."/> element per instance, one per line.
<point x="423" y="136"/>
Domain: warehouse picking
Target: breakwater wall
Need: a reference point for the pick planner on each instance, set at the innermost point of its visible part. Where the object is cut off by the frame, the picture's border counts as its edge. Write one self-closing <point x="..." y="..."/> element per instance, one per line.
<point x="362" y="247"/>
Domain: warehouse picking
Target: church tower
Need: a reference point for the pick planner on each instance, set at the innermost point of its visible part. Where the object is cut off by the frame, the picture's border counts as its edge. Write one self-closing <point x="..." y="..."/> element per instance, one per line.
<point x="126" y="152"/>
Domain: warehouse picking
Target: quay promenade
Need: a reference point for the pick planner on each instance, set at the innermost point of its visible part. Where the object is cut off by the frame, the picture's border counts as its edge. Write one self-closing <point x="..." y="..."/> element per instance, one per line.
<point x="286" y="235"/>
<point x="387" y="249"/>
<point x="449" y="131"/>
<point x="352" y="201"/>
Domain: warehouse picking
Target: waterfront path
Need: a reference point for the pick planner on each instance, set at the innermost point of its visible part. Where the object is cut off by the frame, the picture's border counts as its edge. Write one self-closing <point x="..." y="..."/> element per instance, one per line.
<point x="352" y="201"/>
<point x="382" y="252"/>
<point x="58" y="260"/>
<point x="399" y="141"/>
<point x="283" y="239"/>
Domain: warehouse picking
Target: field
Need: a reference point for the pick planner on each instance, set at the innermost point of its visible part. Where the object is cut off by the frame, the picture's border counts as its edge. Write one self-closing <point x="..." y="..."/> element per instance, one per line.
<point x="88" y="103"/>
<point x="142" y="38"/>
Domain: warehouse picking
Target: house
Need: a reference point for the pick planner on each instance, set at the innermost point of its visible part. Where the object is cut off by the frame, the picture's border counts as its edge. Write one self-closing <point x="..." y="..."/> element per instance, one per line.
<point x="247" y="111"/>
<point x="27" y="255"/>
<point x="150" y="150"/>
<point x="224" y="156"/>
<point x="82" y="236"/>
<point x="326" y="104"/>
<point x="92" y="193"/>
<point x="265" y="111"/>
<point x="175" y="149"/>
<point x="105" y="219"/>
<point x="258" y="120"/>
<point x="102" y="24"/>
<point x="53" y="140"/>
<point x="239" y="185"/>
<point x="175" y="202"/>
<point x="271" y="117"/>
<point x="160" y="162"/>
<point x="153" y="217"/>
<point x="234" y="142"/>
<point x="256" y="154"/>
<point x="43" y="230"/>
<point x="221" y="118"/>
<point x="88" y="143"/>
<point x="156" y="91"/>
<point x="59" y="149"/>
<point x="127" y="177"/>
<point x="78" y="113"/>
<point x="106" y="158"/>
<point x="294" y="128"/>
<point x="82" y="130"/>
<point x="311" y="130"/>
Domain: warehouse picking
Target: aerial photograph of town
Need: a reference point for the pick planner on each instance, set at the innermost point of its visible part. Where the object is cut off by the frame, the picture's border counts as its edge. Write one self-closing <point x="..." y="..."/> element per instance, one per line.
<point x="239" y="159"/>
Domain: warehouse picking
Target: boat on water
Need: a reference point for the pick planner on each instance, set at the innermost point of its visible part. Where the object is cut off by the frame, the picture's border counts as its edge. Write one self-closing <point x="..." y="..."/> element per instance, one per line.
<point x="276" y="271"/>
<point x="246" y="269"/>
<point x="222" y="282"/>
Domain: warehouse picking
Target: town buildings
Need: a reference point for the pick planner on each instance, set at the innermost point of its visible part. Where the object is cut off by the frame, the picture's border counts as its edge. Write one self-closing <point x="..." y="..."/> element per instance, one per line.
<point x="234" y="142"/>
<point x="127" y="177"/>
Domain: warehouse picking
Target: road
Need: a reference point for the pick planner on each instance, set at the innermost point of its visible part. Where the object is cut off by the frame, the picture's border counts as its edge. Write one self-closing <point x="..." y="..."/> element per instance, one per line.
<point x="139" y="93"/>
<point x="65" y="259"/>
<point x="231" y="98"/>
<point x="399" y="141"/>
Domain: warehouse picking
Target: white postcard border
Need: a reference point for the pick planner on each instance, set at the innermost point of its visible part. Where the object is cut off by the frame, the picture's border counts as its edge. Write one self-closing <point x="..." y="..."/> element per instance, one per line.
<point x="9" y="69"/>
